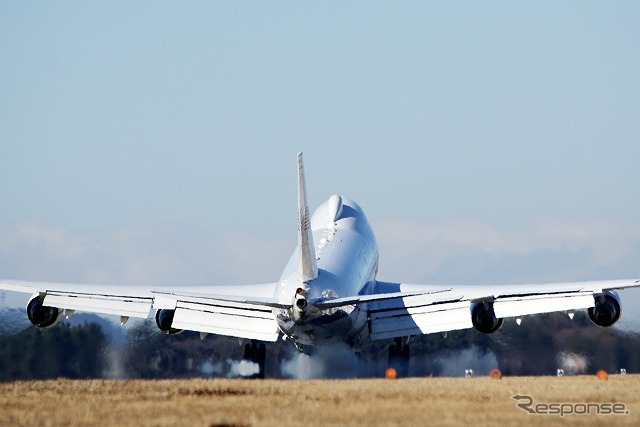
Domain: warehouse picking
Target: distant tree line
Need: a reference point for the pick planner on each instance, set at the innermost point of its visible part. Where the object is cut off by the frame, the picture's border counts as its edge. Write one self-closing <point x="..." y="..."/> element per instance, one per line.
<point x="62" y="351"/>
<point x="84" y="351"/>
<point x="533" y="347"/>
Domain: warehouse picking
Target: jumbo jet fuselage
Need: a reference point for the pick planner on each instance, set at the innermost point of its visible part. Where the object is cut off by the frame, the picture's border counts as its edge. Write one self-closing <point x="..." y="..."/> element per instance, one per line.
<point x="346" y="254"/>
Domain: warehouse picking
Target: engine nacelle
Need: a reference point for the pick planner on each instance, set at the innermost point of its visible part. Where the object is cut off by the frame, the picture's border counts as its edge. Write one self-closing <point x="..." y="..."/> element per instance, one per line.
<point x="606" y="310"/>
<point x="40" y="315"/>
<point x="484" y="319"/>
<point x="164" y="319"/>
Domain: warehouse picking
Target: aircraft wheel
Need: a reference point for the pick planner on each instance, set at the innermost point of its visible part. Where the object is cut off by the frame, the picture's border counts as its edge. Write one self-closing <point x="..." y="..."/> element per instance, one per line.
<point x="256" y="353"/>
<point x="262" y="358"/>
<point x="248" y="352"/>
<point x="405" y="356"/>
<point x="394" y="358"/>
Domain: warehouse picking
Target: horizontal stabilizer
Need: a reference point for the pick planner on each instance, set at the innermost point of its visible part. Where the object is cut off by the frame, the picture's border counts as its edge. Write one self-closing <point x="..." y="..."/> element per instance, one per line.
<point x="193" y="296"/>
<point x="359" y="299"/>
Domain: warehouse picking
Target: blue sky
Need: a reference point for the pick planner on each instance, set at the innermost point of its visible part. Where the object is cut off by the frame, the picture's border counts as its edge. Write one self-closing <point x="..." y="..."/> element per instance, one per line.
<point x="155" y="142"/>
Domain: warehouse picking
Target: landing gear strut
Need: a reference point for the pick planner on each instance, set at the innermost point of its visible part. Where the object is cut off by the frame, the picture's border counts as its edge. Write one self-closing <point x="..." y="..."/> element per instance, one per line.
<point x="256" y="353"/>
<point x="399" y="355"/>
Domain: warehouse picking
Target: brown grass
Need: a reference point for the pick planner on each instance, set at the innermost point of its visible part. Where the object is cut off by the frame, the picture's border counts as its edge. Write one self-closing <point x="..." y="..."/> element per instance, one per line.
<point x="371" y="402"/>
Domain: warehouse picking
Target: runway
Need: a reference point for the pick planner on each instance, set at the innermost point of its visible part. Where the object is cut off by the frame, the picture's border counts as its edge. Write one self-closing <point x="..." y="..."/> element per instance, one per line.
<point x="583" y="400"/>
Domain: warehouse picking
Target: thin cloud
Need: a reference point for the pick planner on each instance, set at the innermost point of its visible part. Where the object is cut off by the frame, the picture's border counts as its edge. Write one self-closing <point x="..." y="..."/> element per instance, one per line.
<point x="417" y="250"/>
<point x="139" y="255"/>
<point x="453" y="252"/>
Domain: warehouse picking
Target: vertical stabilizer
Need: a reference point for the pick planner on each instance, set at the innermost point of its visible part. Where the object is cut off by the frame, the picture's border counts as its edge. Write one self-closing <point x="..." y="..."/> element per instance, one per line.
<point x="307" y="266"/>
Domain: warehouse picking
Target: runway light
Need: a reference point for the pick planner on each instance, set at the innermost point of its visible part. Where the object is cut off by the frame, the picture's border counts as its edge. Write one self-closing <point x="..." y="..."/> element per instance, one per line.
<point x="495" y="374"/>
<point x="602" y="374"/>
<point x="391" y="374"/>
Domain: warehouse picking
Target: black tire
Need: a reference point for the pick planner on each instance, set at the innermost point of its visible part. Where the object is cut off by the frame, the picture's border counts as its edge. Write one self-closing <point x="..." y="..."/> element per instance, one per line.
<point x="405" y="357"/>
<point x="393" y="354"/>
<point x="394" y="358"/>
<point x="262" y="358"/>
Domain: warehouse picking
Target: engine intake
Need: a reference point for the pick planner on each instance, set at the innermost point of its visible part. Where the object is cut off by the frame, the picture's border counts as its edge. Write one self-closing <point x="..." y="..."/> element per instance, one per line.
<point x="40" y="315"/>
<point x="484" y="318"/>
<point x="606" y="310"/>
<point x="164" y="320"/>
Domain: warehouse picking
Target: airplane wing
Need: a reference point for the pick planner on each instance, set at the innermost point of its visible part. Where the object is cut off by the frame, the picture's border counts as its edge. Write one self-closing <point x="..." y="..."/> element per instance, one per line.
<point x="243" y="311"/>
<point x="427" y="309"/>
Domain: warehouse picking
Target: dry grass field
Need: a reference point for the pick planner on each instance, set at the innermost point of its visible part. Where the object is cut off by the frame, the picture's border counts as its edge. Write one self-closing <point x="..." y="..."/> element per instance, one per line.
<point x="370" y="402"/>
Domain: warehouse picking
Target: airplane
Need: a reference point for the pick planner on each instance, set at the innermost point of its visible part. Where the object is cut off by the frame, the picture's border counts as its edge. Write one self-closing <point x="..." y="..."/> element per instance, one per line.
<point x="328" y="292"/>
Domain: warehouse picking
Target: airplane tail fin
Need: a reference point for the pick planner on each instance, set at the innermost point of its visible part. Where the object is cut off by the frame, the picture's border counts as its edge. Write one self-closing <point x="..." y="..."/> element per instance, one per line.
<point x="307" y="266"/>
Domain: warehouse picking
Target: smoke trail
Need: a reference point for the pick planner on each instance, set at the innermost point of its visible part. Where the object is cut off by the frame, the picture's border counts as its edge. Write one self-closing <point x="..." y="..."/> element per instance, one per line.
<point x="627" y="326"/>
<point x="233" y="369"/>
<point x="572" y="363"/>
<point x="242" y="368"/>
<point x="332" y="361"/>
<point x="471" y="358"/>
<point x="209" y="369"/>
<point x="114" y="364"/>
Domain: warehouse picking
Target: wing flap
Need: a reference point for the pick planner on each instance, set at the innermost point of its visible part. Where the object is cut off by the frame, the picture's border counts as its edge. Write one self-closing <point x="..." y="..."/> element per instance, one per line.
<point x="432" y="309"/>
<point x="429" y="319"/>
<point x="222" y="317"/>
<point x="226" y="324"/>
<point x="522" y="306"/>
<point x="129" y="306"/>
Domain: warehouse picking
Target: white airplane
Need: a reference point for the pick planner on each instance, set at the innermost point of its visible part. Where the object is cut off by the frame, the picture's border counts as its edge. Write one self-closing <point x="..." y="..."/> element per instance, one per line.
<point x="328" y="292"/>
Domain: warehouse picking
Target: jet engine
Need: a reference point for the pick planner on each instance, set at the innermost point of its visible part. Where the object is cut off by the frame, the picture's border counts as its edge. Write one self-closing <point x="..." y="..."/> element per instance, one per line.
<point x="164" y="319"/>
<point x="606" y="310"/>
<point x="484" y="319"/>
<point x="40" y="315"/>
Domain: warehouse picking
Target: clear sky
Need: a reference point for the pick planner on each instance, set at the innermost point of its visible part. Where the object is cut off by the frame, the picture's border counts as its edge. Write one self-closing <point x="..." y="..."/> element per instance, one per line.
<point x="155" y="142"/>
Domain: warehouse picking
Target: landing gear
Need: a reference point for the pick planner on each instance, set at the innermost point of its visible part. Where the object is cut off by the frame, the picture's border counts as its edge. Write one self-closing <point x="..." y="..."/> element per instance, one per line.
<point x="399" y="355"/>
<point x="256" y="353"/>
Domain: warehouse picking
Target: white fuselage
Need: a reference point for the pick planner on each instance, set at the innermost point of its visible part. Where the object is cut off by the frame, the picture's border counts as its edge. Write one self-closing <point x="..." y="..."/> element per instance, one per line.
<point x="347" y="259"/>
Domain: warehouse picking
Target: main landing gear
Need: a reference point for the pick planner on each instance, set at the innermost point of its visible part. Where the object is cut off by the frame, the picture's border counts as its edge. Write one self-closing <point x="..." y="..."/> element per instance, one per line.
<point x="399" y="355"/>
<point x="256" y="353"/>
